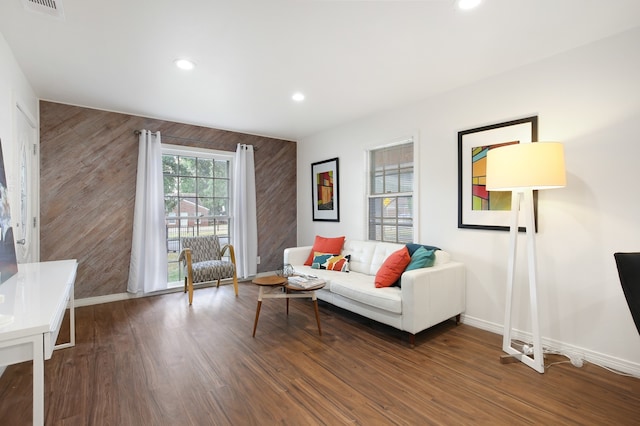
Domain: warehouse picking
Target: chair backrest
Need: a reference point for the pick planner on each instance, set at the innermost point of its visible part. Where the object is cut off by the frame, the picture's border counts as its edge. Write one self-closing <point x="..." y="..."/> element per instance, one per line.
<point x="629" y="272"/>
<point x="203" y="248"/>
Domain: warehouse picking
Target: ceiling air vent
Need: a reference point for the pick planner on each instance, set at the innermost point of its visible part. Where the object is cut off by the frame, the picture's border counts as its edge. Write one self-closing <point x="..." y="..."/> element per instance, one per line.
<point x="51" y="8"/>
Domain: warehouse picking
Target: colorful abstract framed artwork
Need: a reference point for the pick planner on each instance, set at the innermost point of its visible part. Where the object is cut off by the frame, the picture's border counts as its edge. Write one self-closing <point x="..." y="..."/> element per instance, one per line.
<point x="324" y="190"/>
<point x="477" y="207"/>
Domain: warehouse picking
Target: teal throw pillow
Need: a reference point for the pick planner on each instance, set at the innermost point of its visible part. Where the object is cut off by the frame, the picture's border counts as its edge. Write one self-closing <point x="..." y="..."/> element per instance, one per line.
<point x="421" y="258"/>
<point x="412" y="247"/>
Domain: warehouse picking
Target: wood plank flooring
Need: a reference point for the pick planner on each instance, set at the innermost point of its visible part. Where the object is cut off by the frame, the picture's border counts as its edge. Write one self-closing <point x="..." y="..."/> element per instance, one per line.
<point x="155" y="361"/>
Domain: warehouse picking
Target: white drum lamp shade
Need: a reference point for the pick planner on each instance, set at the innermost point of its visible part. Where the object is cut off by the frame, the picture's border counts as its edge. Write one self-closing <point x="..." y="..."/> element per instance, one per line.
<point x="537" y="165"/>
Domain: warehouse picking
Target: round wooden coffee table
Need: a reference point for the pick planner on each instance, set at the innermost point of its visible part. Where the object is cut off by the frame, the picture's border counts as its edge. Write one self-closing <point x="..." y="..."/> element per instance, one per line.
<point x="269" y="280"/>
<point x="292" y="291"/>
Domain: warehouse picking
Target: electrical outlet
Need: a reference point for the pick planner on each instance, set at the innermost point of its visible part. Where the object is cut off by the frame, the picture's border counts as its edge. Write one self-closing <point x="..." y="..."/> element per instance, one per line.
<point x="258" y="260"/>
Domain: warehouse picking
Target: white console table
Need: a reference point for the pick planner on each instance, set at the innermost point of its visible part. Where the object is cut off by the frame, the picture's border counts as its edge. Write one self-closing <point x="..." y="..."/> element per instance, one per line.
<point x="32" y="306"/>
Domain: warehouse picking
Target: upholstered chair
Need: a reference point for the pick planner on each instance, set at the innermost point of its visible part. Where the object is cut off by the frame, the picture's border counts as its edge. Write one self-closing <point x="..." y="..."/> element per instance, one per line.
<point x="629" y="272"/>
<point x="201" y="257"/>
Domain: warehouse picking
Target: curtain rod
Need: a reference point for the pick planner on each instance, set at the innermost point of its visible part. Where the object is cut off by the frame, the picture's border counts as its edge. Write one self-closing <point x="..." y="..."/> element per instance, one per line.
<point x="137" y="133"/>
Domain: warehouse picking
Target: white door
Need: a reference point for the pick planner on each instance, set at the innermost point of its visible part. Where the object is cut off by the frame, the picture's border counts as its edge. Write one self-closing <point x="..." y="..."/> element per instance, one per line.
<point x="24" y="213"/>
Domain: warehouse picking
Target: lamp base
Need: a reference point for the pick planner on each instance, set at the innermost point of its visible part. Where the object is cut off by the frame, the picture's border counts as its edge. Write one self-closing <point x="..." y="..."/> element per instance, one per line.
<point x="513" y="358"/>
<point x="508" y="359"/>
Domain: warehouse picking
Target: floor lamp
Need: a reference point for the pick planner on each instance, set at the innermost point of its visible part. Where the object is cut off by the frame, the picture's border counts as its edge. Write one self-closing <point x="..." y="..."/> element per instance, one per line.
<point x="522" y="168"/>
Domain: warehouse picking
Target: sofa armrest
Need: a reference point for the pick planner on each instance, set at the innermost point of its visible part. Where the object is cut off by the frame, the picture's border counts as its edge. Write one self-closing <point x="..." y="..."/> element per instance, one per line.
<point x="432" y="295"/>
<point x="296" y="255"/>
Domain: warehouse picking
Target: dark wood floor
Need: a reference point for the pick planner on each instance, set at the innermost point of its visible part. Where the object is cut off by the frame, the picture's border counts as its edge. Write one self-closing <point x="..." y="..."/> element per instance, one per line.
<point x="155" y="361"/>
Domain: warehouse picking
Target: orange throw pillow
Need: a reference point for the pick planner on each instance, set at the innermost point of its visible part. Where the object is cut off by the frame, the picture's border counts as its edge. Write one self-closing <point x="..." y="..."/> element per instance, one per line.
<point x="325" y="245"/>
<point x="392" y="268"/>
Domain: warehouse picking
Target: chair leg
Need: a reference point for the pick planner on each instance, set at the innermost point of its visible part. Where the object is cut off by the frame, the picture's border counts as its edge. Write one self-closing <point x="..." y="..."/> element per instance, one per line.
<point x="218" y="284"/>
<point x="190" y="285"/>
<point x="185" y="284"/>
<point x="235" y="283"/>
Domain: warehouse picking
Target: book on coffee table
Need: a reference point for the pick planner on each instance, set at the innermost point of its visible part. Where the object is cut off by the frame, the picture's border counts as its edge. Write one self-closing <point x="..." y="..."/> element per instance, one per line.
<point x="305" y="281"/>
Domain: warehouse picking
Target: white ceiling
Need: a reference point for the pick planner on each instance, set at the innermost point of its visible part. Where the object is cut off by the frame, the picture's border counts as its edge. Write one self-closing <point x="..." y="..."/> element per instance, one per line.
<point x="350" y="58"/>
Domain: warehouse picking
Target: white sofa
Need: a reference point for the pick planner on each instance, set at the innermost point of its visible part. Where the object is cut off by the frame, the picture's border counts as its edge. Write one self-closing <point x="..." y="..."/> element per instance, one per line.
<point x="426" y="297"/>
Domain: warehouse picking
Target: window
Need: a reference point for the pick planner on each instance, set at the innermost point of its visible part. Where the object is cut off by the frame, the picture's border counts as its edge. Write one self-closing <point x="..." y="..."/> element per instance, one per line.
<point x="391" y="180"/>
<point x="197" y="198"/>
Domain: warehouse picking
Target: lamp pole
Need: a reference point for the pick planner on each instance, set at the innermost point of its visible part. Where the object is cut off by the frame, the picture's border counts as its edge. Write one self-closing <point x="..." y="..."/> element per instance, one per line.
<point x="523" y="197"/>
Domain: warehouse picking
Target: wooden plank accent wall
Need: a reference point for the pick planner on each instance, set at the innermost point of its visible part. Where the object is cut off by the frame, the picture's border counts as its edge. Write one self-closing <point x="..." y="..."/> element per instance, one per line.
<point x="87" y="189"/>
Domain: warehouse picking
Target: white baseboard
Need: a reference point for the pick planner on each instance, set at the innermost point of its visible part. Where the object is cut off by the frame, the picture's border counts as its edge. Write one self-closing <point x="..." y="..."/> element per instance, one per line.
<point x="97" y="300"/>
<point x="603" y="360"/>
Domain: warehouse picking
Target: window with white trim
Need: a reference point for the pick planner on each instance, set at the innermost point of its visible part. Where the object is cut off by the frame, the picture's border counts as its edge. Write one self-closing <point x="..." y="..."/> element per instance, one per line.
<point x="391" y="180"/>
<point x="197" y="198"/>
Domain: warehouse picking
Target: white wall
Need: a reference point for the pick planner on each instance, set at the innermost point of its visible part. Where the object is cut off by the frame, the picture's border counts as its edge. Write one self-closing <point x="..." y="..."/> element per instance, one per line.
<point x="588" y="98"/>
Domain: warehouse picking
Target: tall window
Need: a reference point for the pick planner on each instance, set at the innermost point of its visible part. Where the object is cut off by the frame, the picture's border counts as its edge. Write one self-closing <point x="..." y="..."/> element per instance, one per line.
<point x="391" y="193"/>
<point x="197" y="198"/>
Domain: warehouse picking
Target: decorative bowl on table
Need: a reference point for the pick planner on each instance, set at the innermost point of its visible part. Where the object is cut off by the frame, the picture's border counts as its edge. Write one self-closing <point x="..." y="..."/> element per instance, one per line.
<point x="285" y="271"/>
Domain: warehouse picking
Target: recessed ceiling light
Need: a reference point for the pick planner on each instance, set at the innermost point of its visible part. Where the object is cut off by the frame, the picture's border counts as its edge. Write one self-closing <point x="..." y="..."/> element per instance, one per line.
<point x="298" y="97"/>
<point x="184" y="64"/>
<point x="468" y="4"/>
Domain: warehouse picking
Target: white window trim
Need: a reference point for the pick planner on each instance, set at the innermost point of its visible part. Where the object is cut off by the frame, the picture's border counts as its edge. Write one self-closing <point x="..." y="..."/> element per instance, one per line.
<point x="411" y="137"/>
<point x="184" y="151"/>
<point x="198" y="152"/>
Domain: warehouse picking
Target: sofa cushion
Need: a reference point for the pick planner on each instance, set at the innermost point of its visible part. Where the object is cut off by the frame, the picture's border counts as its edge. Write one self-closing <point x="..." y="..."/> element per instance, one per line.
<point x="361" y="253"/>
<point x="360" y="287"/>
<point x="381" y="253"/>
<point x="392" y="268"/>
<point x="442" y="257"/>
<point x="325" y="245"/>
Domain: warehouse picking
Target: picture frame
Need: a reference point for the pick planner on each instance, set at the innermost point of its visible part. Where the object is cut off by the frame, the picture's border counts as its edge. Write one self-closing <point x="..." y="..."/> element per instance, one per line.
<point x="478" y="208"/>
<point x="325" y="190"/>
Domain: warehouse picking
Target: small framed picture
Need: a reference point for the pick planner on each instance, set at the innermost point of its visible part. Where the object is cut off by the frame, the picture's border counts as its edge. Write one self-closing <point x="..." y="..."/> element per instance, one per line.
<point x="324" y="190"/>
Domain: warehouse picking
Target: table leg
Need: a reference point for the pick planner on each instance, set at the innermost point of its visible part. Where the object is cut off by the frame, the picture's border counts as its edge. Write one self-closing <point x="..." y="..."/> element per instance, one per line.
<point x="72" y="322"/>
<point x="38" y="381"/>
<point x="315" y="305"/>
<point x="72" y="316"/>
<point x="255" y="323"/>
